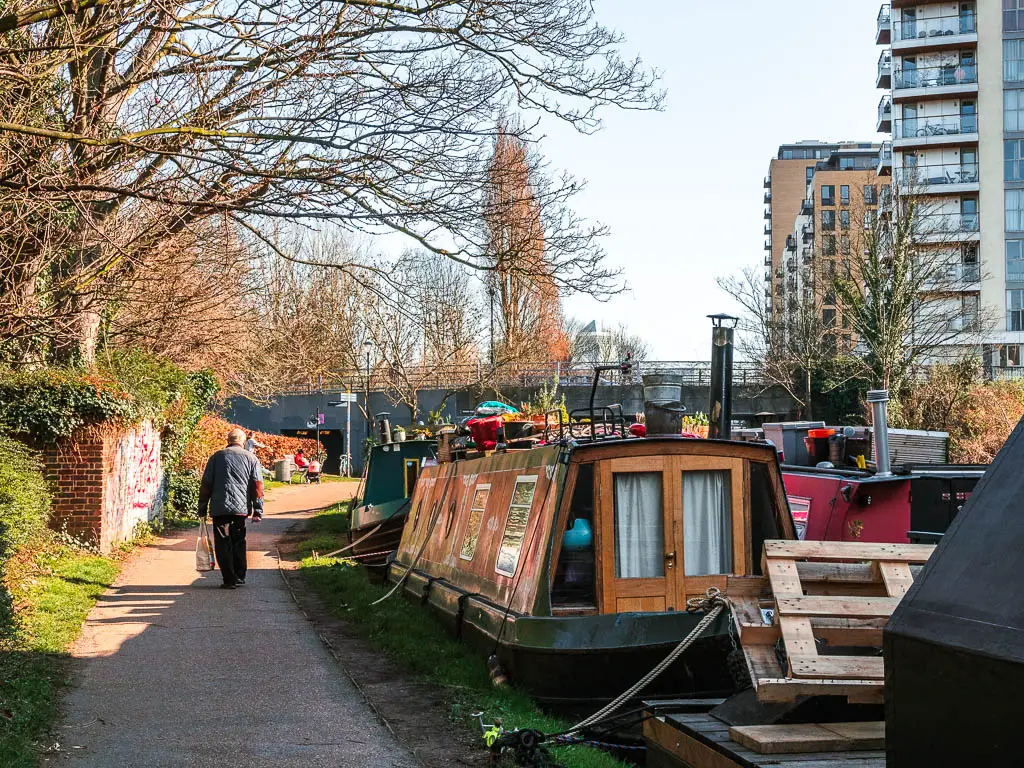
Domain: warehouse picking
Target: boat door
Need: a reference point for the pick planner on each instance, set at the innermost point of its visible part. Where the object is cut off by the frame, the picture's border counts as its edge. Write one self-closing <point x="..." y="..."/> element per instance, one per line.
<point x="671" y="526"/>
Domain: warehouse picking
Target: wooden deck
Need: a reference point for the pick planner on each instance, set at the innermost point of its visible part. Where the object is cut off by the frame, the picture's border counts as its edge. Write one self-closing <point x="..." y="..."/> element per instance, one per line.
<point x="701" y="741"/>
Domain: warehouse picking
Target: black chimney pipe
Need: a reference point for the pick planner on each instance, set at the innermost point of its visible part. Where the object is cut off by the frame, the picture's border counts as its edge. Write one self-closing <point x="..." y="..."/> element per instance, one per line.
<point x="720" y="412"/>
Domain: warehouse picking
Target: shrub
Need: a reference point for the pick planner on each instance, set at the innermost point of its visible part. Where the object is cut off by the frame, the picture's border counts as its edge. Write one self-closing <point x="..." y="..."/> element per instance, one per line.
<point x="182" y="495"/>
<point x="212" y="431"/>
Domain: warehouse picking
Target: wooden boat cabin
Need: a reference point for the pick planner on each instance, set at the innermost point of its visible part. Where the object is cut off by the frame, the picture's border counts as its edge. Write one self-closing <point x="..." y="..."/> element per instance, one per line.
<point x="574" y="563"/>
<point x="391" y="475"/>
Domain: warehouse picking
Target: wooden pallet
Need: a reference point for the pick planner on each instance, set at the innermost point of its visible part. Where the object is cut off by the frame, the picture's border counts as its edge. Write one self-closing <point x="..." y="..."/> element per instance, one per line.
<point x="825" y="595"/>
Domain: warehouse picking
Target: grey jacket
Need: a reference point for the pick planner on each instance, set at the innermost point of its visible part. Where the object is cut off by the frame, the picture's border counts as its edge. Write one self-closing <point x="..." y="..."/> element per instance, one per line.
<point x="231" y="476"/>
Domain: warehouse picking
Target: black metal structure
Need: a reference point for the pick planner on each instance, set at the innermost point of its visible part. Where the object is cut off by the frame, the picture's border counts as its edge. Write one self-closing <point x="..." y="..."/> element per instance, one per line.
<point x="954" y="647"/>
<point x="720" y="412"/>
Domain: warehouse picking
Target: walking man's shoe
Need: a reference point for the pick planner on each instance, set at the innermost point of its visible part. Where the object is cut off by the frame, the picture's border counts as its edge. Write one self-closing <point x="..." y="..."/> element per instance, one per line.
<point x="227" y="586"/>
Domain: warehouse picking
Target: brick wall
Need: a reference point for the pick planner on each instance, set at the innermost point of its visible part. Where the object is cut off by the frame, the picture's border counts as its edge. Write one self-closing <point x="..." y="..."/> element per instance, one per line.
<point x="105" y="483"/>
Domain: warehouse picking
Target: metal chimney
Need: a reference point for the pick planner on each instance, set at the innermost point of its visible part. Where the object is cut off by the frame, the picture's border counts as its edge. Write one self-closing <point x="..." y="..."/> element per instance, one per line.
<point x="877" y="399"/>
<point x="720" y="412"/>
<point x="385" y="428"/>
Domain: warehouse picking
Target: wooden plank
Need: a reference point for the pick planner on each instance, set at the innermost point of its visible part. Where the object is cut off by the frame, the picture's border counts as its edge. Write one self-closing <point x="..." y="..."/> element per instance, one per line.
<point x="762" y="662"/>
<point x="784" y="689"/>
<point x="786" y="739"/>
<point x="848" y="551"/>
<point x="869" y="735"/>
<point x="852" y="637"/>
<point x="746" y="586"/>
<point x="784" y="578"/>
<point x="897" y="578"/>
<point x="759" y="634"/>
<point x="797" y="635"/>
<point x="685" y="747"/>
<point x="837" y="667"/>
<point x="852" y="607"/>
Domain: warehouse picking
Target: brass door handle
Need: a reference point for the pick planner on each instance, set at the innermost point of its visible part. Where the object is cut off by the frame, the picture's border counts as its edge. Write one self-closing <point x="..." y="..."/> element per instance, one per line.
<point x="670" y="559"/>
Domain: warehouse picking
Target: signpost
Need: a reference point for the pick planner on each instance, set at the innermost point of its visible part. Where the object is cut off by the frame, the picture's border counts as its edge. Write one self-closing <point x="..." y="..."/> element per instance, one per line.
<point x="344" y="401"/>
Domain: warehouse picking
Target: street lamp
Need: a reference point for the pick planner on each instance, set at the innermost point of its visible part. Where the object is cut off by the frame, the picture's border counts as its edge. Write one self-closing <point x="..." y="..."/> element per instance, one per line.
<point x="367" y="347"/>
<point x="490" y="293"/>
<point x="720" y="413"/>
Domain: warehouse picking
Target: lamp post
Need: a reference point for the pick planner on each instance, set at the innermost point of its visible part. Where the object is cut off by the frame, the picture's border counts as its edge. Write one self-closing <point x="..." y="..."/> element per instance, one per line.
<point x="720" y="412"/>
<point x="490" y="293"/>
<point x="367" y="347"/>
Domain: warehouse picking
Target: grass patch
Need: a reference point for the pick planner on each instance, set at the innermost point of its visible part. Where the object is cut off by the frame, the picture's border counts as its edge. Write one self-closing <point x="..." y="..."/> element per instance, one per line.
<point x="54" y="585"/>
<point x="413" y="637"/>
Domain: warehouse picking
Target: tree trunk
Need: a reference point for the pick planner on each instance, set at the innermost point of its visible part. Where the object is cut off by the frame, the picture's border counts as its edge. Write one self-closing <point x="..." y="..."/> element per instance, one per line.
<point x="77" y="337"/>
<point x="807" y="390"/>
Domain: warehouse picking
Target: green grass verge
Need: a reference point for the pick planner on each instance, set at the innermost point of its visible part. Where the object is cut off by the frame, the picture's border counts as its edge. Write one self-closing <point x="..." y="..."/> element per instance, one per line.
<point x="413" y="637"/>
<point x="54" y="585"/>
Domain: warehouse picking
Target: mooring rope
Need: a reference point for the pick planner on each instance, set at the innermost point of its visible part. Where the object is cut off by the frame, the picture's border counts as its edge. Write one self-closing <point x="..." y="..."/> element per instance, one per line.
<point x="714" y="603"/>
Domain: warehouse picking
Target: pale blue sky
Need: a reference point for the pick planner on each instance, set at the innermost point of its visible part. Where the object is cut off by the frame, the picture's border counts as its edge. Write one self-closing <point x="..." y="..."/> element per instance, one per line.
<point x="682" y="190"/>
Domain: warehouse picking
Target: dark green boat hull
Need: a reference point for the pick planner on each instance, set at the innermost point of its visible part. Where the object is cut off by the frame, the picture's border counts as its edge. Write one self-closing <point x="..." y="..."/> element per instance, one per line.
<point x="572" y="663"/>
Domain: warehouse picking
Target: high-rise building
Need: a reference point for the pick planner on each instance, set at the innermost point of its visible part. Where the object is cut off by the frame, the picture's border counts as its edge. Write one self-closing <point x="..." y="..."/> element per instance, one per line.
<point x="953" y="73"/>
<point x="821" y="196"/>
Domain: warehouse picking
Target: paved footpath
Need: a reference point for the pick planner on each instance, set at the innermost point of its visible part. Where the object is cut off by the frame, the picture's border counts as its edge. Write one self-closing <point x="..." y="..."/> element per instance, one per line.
<point x="177" y="672"/>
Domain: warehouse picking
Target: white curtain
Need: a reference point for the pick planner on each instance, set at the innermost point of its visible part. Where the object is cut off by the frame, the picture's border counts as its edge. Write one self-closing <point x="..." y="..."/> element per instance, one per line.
<point x="707" y="523"/>
<point x="639" y="526"/>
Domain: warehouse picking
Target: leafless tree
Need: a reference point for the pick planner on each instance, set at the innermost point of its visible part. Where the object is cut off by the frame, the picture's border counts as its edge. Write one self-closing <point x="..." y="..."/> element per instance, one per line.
<point x="124" y="122"/>
<point x="590" y="342"/>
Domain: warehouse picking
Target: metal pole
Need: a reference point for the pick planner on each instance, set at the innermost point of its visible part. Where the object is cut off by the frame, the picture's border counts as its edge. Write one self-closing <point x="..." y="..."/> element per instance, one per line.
<point x="720" y="412"/>
<point x="490" y="292"/>
<point x="317" y="431"/>
<point x="348" y="431"/>
<point x="366" y="401"/>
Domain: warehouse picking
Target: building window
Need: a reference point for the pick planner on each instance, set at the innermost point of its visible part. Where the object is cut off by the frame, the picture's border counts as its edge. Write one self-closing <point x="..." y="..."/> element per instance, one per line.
<point x="1013" y="15"/>
<point x="828" y="318"/>
<point x="870" y="194"/>
<point x="869" y="219"/>
<point x="844" y="194"/>
<point x="1013" y="110"/>
<point x="1015" y="210"/>
<point x="787" y="154"/>
<point x="1015" y="261"/>
<point x="1015" y="310"/>
<point x="828" y="245"/>
<point x="828" y="220"/>
<point x="1009" y="356"/>
<point x="1013" y="61"/>
<point x="844" y="245"/>
<point x="809" y="173"/>
<point x="844" y="219"/>
<point x="1013" y="155"/>
<point x="828" y="194"/>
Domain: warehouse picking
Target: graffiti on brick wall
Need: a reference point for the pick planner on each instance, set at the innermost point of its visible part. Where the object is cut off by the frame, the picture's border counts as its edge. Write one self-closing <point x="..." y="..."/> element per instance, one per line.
<point x="134" y="483"/>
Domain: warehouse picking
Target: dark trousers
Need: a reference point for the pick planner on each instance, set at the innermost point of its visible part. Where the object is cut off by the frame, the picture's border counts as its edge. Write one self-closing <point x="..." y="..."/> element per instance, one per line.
<point x="229" y="546"/>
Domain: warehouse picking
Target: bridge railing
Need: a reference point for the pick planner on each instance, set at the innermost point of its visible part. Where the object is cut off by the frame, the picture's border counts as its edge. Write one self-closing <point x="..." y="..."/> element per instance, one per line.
<point x="695" y="373"/>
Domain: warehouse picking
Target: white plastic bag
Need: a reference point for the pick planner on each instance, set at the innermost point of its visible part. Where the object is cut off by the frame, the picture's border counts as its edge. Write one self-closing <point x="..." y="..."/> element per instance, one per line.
<point x="204" y="549"/>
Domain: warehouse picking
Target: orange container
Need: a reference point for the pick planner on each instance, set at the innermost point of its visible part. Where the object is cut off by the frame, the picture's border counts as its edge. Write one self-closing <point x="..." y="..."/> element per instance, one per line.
<point x="820" y="432"/>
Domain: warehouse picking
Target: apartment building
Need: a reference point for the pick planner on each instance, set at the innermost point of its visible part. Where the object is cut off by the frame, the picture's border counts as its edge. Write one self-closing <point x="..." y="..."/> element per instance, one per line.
<point x="785" y="191"/>
<point x="953" y="76"/>
<point x="822" y="198"/>
<point x="839" y="207"/>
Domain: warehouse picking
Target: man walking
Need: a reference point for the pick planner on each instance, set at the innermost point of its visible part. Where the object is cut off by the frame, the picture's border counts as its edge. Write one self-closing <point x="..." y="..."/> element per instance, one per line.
<point x="232" y="488"/>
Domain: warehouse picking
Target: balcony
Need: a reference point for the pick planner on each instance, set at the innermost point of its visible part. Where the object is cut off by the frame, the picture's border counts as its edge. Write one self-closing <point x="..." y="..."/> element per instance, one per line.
<point x="952" y="278"/>
<point x="790" y="243"/>
<point x="768" y="245"/>
<point x="934" y="34"/>
<point x="806" y="208"/>
<point x="768" y="215"/>
<point x="791" y="265"/>
<point x="884" y="167"/>
<point x="935" y="131"/>
<point x="946" y="227"/>
<point x="883" y="34"/>
<point x="939" y="178"/>
<point x="768" y="229"/>
<point x="884" y="122"/>
<point x="767" y="182"/>
<point x="768" y="260"/>
<point x="807" y="233"/>
<point x="767" y="198"/>
<point x="934" y="82"/>
<point x="884" y="77"/>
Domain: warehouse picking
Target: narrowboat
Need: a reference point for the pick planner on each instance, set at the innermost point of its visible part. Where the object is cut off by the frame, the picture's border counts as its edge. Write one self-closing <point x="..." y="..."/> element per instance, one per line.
<point x="392" y="471"/>
<point x="573" y="562"/>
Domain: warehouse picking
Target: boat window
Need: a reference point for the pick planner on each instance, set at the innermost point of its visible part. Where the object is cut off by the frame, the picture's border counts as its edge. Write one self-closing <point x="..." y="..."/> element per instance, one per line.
<point x="412" y="471"/>
<point x="707" y="523"/>
<point x="639" y="526"/>
<point x="515" y="525"/>
<point x="476" y="516"/>
<point x="574" y="576"/>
